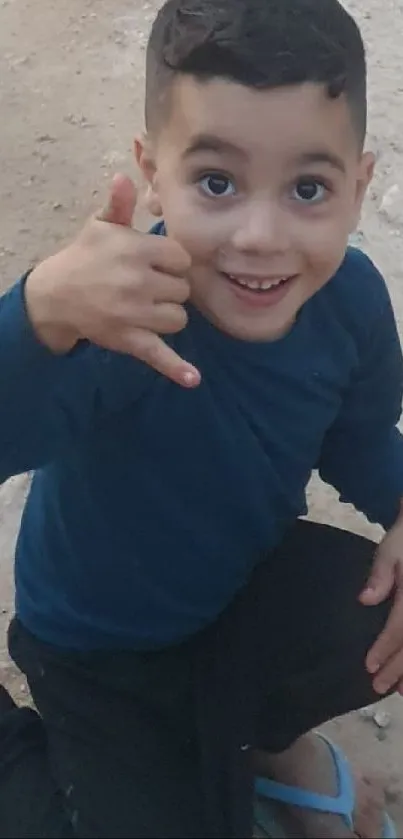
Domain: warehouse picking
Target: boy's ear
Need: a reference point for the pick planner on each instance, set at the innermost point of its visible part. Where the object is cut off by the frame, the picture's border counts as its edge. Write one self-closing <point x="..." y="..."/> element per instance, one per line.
<point x="365" y="174"/>
<point x="143" y="152"/>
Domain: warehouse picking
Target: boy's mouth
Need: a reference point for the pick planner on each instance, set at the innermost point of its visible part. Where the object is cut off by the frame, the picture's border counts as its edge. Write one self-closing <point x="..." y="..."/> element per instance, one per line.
<point x="259" y="291"/>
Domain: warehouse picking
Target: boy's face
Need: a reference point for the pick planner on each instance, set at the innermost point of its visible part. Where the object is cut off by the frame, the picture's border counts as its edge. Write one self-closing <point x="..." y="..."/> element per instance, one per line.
<point x="262" y="189"/>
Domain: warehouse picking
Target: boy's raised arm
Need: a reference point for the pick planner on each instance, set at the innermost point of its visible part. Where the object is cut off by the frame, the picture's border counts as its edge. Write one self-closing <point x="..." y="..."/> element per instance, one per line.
<point x="82" y="329"/>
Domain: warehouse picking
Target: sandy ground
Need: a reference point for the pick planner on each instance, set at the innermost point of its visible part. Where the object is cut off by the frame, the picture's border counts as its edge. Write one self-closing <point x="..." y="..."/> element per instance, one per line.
<point x="71" y="83"/>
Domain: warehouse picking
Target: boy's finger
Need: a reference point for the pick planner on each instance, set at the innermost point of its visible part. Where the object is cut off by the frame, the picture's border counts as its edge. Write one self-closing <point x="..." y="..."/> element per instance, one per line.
<point x="390" y="675"/>
<point x="169" y="289"/>
<point x="390" y="640"/>
<point x="148" y="347"/>
<point x="121" y="203"/>
<point x="163" y="319"/>
<point x="168" y="257"/>
<point x="381" y="581"/>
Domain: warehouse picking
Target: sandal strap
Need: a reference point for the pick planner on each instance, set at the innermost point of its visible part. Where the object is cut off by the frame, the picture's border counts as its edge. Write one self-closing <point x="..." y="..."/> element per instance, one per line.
<point x="342" y="804"/>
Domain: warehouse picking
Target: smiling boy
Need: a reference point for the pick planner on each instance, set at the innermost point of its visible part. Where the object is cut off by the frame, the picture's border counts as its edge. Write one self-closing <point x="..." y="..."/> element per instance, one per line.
<point x="182" y="633"/>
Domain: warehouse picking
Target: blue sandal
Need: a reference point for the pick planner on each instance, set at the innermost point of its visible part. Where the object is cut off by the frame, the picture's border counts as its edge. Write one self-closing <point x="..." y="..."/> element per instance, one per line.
<point x="343" y="804"/>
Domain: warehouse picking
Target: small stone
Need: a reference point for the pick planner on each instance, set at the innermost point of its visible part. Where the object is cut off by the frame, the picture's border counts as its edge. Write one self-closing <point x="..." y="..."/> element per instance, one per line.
<point x="46" y="138"/>
<point x="390" y="196"/>
<point x="367" y="713"/>
<point x="392" y="204"/>
<point x="57" y="205"/>
<point x="23" y="688"/>
<point x="357" y="239"/>
<point x="21" y="61"/>
<point x="382" y="719"/>
<point x="381" y="735"/>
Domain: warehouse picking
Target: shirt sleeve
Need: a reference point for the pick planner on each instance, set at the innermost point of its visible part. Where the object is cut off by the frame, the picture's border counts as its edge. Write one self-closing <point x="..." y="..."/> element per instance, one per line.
<point x="362" y="454"/>
<point x="48" y="401"/>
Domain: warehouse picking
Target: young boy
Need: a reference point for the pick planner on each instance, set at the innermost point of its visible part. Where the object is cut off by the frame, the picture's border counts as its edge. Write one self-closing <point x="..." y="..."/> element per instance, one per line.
<point x="180" y="631"/>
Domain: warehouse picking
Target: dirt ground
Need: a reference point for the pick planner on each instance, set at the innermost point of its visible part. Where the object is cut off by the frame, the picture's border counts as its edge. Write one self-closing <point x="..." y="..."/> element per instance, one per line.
<point x="71" y="84"/>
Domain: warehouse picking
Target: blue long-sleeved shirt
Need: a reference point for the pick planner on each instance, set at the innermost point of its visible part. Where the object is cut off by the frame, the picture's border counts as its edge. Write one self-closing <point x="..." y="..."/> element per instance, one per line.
<point x="150" y="503"/>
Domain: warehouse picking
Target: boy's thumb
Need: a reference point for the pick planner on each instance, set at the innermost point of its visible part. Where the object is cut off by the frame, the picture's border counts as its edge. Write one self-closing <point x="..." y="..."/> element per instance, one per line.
<point x="121" y="203"/>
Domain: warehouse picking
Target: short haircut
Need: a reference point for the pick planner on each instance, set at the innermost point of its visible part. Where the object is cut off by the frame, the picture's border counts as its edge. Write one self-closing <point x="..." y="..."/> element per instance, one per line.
<point x="257" y="43"/>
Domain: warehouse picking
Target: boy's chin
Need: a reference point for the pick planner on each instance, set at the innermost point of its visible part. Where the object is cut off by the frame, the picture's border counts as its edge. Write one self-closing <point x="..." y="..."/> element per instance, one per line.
<point x="254" y="330"/>
<point x="274" y="332"/>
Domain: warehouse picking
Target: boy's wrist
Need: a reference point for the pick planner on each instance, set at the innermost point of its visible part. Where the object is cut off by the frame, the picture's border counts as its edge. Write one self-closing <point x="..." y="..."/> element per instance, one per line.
<point x="46" y="309"/>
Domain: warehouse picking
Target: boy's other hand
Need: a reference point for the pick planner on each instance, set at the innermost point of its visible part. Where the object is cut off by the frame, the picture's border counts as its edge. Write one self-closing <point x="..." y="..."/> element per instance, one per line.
<point x="116" y="287"/>
<point x="385" y="659"/>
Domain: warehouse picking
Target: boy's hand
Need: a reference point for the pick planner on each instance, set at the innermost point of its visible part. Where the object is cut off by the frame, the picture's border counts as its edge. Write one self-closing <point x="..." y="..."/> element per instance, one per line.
<point x="115" y="287"/>
<point x="385" y="658"/>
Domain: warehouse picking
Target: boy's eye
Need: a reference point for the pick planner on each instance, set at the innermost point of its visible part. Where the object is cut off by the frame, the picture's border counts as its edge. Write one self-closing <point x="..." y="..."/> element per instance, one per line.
<point x="309" y="191"/>
<point x="217" y="186"/>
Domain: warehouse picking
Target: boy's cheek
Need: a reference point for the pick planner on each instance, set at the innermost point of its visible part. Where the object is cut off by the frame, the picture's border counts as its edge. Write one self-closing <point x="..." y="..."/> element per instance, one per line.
<point x="327" y="245"/>
<point x="200" y="234"/>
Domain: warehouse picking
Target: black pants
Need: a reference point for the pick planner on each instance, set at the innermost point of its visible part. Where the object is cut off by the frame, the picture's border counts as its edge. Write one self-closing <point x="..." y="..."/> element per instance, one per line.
<point x="132" y="744"/>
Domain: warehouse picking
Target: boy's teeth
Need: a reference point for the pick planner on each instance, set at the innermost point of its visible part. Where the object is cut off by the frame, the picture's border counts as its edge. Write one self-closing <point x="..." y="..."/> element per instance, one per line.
<point x="254" y="285"/>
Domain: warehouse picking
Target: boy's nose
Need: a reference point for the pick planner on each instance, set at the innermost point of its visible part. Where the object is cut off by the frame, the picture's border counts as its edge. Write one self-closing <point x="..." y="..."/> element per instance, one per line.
<point x="262" y="230"/>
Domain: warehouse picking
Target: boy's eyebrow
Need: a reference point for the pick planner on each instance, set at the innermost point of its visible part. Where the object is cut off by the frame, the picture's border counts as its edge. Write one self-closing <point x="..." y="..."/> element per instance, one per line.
<point x="211" y="143"/>
<point x="321" y="156"/>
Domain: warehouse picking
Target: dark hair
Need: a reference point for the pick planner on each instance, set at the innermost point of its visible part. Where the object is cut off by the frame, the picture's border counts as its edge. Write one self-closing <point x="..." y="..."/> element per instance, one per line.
<point x="260" y="44"/>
